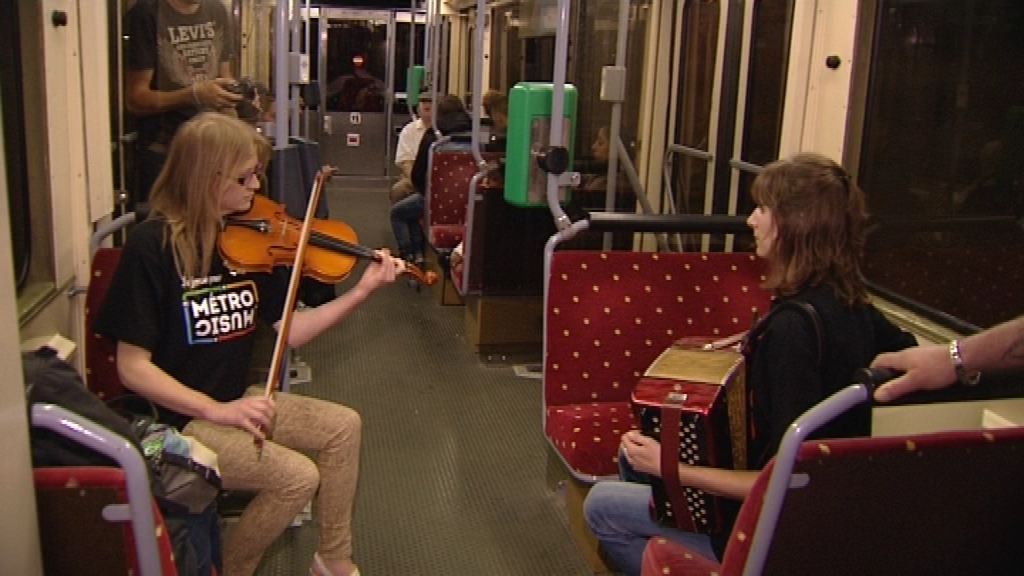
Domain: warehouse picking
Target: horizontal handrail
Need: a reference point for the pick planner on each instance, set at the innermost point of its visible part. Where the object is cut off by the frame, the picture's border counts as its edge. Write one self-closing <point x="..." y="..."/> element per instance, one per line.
<point x="682" y="223"/>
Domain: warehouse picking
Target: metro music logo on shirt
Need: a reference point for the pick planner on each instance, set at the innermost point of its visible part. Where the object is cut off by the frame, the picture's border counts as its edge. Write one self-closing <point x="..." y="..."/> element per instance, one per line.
<point x="219" y="313"/>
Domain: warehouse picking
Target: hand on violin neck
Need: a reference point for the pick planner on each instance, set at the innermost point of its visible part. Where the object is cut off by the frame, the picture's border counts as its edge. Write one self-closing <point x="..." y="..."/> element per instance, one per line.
<point x="383" y="269"/>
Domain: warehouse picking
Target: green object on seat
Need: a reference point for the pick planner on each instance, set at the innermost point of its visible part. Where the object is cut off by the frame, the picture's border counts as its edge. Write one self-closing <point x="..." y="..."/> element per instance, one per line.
<point x="529" y="129"/>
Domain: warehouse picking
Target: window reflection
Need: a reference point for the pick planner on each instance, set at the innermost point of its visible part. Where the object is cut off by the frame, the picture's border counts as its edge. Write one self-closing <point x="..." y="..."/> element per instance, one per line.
<point x="943" y="156"/>
<point x="356" y="64"/>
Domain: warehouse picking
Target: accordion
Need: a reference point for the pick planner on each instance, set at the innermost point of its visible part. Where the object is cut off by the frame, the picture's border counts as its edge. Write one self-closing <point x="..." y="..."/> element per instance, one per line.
<point x="692" y="400"/>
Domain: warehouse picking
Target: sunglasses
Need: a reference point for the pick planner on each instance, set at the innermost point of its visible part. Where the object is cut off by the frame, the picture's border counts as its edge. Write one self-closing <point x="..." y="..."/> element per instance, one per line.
<point x="244" y="180"/>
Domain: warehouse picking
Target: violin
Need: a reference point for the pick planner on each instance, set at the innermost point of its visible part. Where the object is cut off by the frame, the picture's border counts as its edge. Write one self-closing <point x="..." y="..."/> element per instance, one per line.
<point x="266" y="236"/>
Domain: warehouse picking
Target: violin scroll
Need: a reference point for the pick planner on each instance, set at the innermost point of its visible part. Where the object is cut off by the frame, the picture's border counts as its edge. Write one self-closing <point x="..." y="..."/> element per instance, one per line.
<point x="428" y="278"/>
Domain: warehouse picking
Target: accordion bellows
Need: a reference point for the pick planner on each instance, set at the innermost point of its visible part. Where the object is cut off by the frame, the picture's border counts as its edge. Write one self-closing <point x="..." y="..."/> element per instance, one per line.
<point x="692" y="400"/>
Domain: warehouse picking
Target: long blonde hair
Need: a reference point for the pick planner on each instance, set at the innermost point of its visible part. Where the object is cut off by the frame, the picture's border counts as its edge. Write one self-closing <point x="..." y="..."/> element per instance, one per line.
<point x="202" y="160"/>
<point x="819" y="218"/>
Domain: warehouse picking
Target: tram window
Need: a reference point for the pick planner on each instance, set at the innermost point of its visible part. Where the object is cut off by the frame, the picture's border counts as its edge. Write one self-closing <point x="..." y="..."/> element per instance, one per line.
<point x="942" y="156"/>
<point x="13" y="120"/>
<point x="406" y="32"/>
<point x="595" y="37"/>
<point x="356" y="61"/>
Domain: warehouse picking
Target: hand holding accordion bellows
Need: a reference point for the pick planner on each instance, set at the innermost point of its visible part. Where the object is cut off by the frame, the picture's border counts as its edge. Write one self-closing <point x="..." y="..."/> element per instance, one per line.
<point x="642" y="452"/>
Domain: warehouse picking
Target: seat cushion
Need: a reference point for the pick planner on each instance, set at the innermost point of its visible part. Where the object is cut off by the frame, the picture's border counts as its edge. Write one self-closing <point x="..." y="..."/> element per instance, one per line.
<point x="587" y="435"/>
<point x="445" y="236"/>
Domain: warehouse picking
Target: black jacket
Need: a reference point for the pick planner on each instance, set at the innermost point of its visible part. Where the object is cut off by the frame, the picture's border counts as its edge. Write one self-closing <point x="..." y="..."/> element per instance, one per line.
<point x="449" y="124"/>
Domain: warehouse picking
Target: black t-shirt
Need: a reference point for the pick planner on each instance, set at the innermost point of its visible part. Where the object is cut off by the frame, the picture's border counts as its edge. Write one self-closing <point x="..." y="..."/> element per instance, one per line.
<point x="181" y="49"/>
<point x="200" y="333"/>
<point x="785" y="376"/>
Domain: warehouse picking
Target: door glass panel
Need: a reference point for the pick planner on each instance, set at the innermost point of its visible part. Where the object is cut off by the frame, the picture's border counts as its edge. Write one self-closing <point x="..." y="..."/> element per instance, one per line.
<point x="406" y="32"/>
<point x="942" y="160"/>
<point x="693" y="119"/>
<point x="766" y="89"/>
<point x="356" y="64"/>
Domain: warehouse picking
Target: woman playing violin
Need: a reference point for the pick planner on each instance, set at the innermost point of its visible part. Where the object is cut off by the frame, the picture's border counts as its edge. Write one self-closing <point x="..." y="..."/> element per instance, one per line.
<point x="184" y="325"/>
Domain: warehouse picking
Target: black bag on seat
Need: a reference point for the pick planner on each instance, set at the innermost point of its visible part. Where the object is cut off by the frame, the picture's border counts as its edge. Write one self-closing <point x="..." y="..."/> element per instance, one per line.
<point x="51" y="380"/>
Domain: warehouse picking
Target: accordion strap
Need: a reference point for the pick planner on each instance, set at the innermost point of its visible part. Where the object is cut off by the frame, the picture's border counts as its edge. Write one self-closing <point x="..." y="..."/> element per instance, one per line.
<point x="671" y="418"/>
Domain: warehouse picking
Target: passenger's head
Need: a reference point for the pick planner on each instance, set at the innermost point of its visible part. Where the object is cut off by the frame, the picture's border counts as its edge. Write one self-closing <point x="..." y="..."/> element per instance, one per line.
<point x="496" y="107"/>
<point x="449" y="104"/>
<point x="209" y="172"/>
<point x="809" y="224"/>
<point x="423" y="108"/>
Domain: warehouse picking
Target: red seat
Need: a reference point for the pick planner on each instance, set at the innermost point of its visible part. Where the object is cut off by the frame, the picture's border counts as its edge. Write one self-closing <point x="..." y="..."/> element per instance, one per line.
<point x="942" y="503"/>
<point x="100" y="353"/>
<point x="446" y="201"/>
<point x="71" y="502"/>
<point x="608" y="315"/>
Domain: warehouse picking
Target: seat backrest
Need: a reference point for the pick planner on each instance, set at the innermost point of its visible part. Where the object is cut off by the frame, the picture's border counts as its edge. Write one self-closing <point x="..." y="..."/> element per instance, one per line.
<point x="70" y="502"/>
<point x="101" y="354"/>
<point x="451" y="166"/>
<point x="609" y="314"/>
<point x="941" y="503"/>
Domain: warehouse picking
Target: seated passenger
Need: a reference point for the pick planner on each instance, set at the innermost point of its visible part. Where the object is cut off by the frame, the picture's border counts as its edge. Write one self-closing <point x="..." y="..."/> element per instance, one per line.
<point x="408" y="144"/>
<point x="809" y="226"/>
<point x="405" y="214"/>
<point x="185" y="324"/>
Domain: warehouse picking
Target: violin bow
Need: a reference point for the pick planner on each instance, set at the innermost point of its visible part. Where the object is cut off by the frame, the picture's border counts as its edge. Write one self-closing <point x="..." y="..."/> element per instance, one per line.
<point x="281" y="343"/>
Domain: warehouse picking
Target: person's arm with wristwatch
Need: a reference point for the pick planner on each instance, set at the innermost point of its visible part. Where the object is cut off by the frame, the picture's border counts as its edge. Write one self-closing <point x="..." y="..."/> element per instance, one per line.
<point x="939" y="365"/>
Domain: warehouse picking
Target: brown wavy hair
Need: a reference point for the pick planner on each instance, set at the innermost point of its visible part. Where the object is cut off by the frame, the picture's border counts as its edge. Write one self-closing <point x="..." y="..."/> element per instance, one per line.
<point x="819" y="218"/>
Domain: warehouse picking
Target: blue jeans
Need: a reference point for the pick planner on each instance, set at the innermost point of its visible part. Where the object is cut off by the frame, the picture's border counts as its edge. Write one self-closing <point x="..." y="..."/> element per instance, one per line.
<point x="618" y="515"/>
<point x="405" y="221"/>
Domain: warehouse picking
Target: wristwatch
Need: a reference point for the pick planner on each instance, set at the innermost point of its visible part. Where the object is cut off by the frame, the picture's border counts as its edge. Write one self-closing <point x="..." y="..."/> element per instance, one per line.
<point x="962" y="374"/>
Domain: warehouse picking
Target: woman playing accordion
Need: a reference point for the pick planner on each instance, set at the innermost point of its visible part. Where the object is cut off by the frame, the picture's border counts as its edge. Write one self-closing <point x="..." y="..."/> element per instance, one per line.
<point x="808" y="225"/>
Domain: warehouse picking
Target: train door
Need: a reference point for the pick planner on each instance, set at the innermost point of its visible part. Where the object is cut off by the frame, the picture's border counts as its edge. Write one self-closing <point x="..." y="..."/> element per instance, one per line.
<point x="355" y="70"/>
<point x="729" y="90"/>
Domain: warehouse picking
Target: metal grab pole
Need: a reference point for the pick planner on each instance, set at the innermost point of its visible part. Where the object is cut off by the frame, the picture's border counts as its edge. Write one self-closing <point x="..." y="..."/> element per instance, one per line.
<point x="616" y="121"/>
<point x="412" y="58"/>
<point x="436" y="52"/>
<point x="557" y="110"/>
<point x="281" y="76"/>
<point x="478" y="81"/>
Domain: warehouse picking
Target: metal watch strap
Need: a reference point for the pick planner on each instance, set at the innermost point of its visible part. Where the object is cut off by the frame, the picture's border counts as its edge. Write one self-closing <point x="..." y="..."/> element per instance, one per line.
<point x="966" y="378"/>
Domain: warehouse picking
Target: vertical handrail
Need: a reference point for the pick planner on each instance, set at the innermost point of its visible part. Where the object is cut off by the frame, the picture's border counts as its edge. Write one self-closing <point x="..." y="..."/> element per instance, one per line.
<point x="281" y="76"/>
<point x="136" y="474"/>
<point x="293" y="89"/>
<point x="478" y="80"/>
<point x="309" y="49"/>
<point x="562" y="221"/>
<point x="746" y="44"/>
<point x="412" y="58"/>
<point x="614" y="129"/>
<point x="436" y="52"/>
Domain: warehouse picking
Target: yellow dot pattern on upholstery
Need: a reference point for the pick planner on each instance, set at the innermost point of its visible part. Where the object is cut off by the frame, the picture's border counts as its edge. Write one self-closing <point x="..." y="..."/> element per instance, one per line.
<point x="609" y="314"/>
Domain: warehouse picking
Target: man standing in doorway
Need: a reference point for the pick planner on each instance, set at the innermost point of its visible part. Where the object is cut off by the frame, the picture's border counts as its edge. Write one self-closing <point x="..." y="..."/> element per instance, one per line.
<point x="179" y="64"/>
